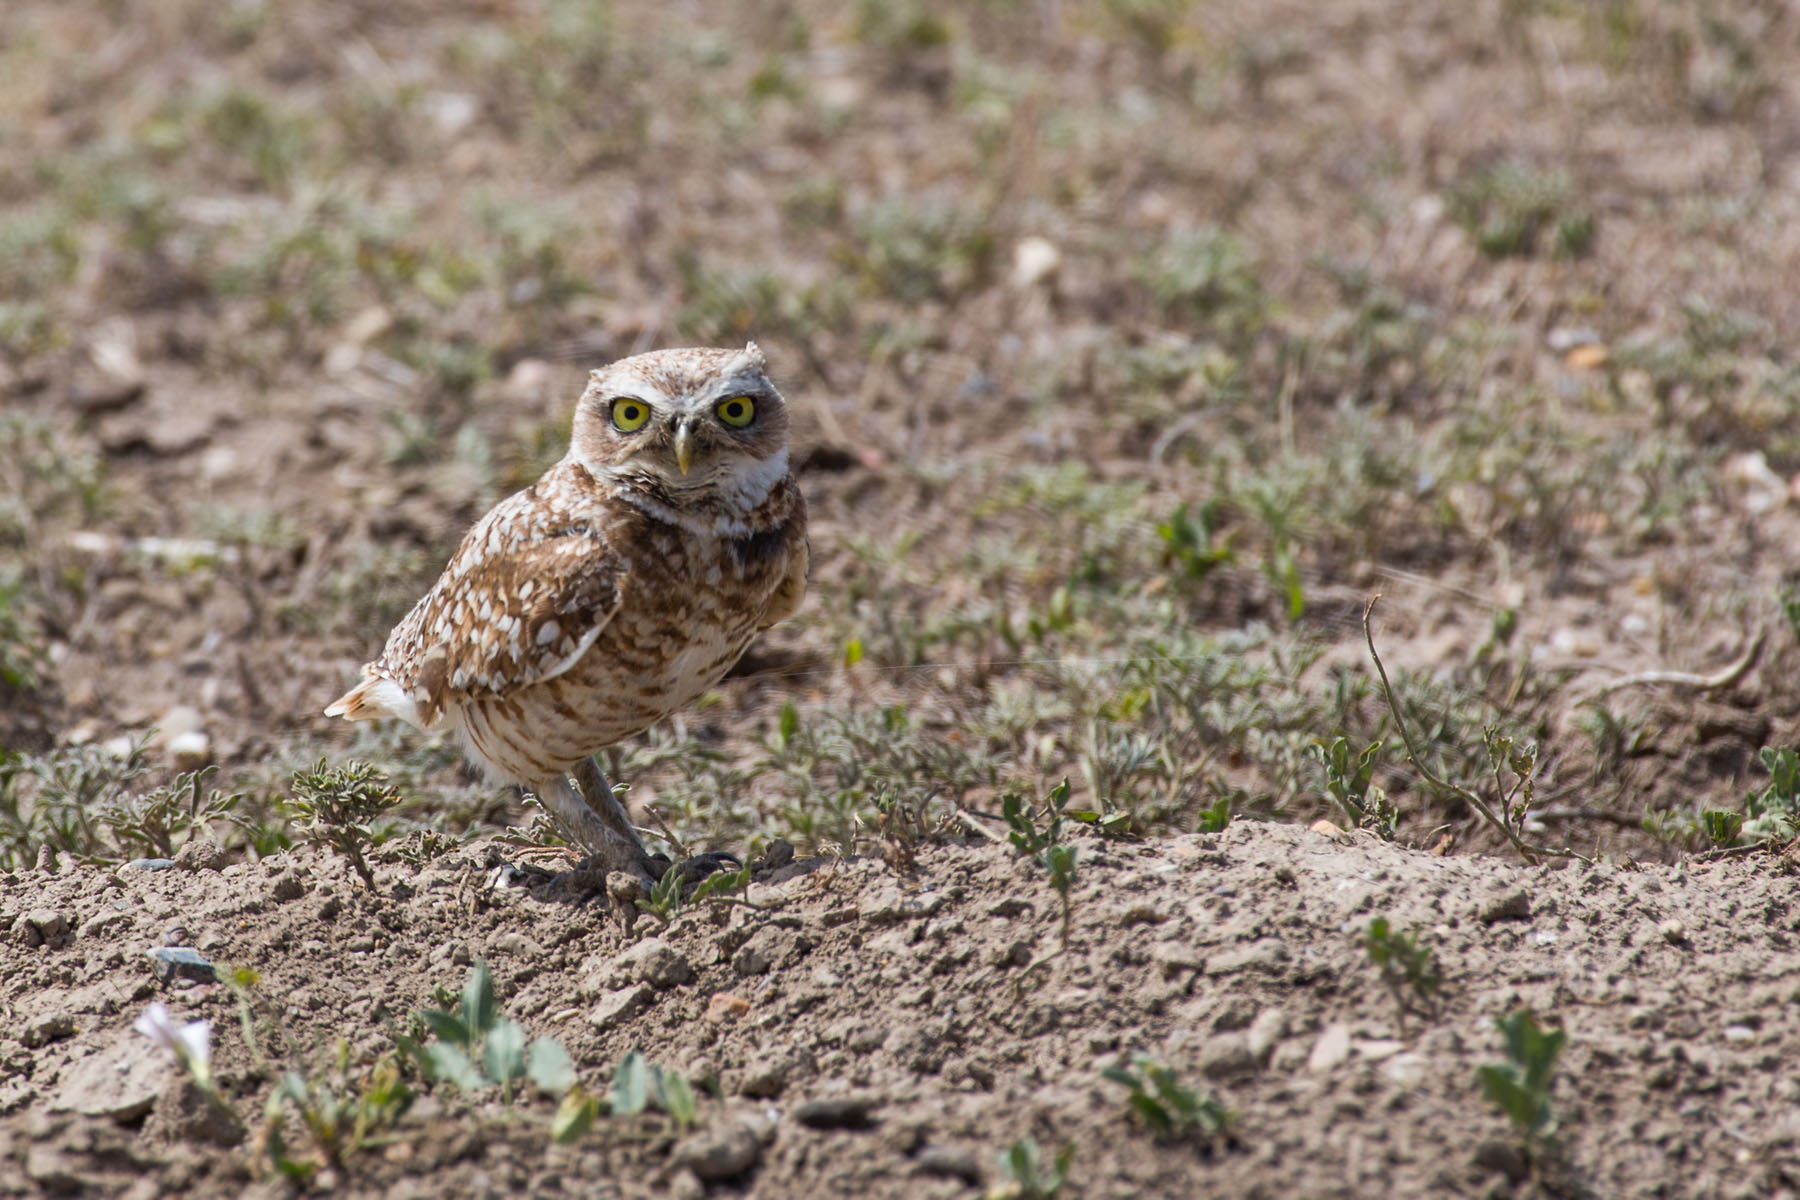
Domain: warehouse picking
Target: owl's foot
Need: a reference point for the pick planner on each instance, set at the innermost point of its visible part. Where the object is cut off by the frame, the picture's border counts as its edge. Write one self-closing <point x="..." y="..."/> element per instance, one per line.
<point x="608" y="848"/>
<point x="693" y="870"/>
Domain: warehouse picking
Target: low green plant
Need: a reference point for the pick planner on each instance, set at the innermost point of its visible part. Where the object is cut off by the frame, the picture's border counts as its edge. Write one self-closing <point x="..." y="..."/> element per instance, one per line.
<point x="1028" y="1176"/>
<point x="1520" y="1086"/>
<point x="1044" y="846"/>
<point x="1773" y="812"/>
<point x="1350" y="783"/>
<point x="59" y="800"/>
<point x="158" y="822"/>
<point x="1409" y="969"/>
<point x="342" y="1113"/>
<point x="667" y="899"/>
<point x="338" y="807"/>
<point x="476" y="1047"/>
<point x="1191" y="542"/>
<point x="1216" y="817"/>
<point x="1162" y="1103"/>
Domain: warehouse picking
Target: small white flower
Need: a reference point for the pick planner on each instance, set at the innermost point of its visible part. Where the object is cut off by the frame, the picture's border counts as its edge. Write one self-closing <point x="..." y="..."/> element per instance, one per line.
<point x="189" y="1044"/>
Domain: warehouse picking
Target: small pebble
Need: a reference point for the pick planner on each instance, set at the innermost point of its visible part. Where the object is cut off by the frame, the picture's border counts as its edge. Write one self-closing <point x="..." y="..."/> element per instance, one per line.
<point x="838" y="1112"/>
<point x="1332" y="1048"/>
<point x="151" y="864"/>
<point x="178" y="962"/>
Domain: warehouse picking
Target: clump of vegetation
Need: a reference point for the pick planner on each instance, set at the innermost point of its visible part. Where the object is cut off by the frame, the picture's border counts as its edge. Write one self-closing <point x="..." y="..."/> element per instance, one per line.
<point x="1351" y="785"/>
<point x="1028" y="1176"/>
<point x="1044" y="846"/>
<point x="476" y="1047"/>
<point x="1513" y="210"/>
<point x="339" y="807"/>
<point x="1170" y="1110"/>
<point x="668" y="901"/>
<point x="1520" y="1086"/>
<point x="1409" y="969"/>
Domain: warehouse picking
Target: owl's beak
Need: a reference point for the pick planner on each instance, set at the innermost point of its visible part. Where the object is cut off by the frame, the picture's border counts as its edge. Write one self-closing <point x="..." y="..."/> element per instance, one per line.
<point x="684" y="448"/>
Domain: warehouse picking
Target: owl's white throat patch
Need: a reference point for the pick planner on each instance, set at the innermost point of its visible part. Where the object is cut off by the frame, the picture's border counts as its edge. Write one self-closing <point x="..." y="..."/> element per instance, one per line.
<point x="733" y="498"/>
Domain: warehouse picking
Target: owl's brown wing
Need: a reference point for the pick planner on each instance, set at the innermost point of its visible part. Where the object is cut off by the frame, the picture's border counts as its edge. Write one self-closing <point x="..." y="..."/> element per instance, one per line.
<point x="792" y="589"/>
<point x="524" y="597"/>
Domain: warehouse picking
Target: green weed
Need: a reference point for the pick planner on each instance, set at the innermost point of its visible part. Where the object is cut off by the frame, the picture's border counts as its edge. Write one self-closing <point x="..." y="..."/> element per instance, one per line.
<point x="1028" y="1176"/>
<point x="1408" y="968"/>
<point x="1350" y="783"/>
<point x="1170" y="1110"/>
<point x="1520" y="1086"/>
<point x="340" y="807"/>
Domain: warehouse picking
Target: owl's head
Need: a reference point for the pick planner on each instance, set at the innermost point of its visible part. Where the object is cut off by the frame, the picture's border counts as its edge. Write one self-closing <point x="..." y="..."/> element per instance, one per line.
<point x="683" y="427"/>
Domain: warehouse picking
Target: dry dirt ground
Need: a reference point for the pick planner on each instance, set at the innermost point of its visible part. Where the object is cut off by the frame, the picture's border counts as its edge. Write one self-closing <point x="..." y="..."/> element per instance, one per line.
<point x="1133" y="346"/>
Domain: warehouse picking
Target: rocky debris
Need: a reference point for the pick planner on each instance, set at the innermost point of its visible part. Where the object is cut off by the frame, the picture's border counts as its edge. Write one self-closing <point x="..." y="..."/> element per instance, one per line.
<point x="202" y="853"/>
<point x="1227" y="1056"/>
<point x="44" y="927"/>
<point x="121" y="1081"/>
<point x="725" y="1006"/>
<point x="1331" y="1050"/>
<point x="42" y="1030"/>
<point x="1508" y="904"/>
<point x="950" y="1162"/>
<point x="1269" y="1027"/>
<point x="170" y="963"/>
<point x="726" y="1149"/>
<point x="891" y="906"/>
<point x="151" y="864"/>
<point x="287" y="886"/>
<point x="770" y="946"/>
<point x="856" y="1111"/>
<point x="617" y="1007"/>
<point x="655" y="962"/>
<point x="769" y="1076"/>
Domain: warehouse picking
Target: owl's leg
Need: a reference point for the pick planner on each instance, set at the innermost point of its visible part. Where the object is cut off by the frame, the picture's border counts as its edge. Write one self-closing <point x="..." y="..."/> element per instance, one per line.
<point x="601" y="799"/>
<point x="605" y="804"/>
<point x="614" y="850"/>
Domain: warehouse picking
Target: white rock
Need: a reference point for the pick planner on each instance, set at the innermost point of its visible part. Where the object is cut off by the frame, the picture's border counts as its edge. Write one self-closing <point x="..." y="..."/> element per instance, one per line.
<point x="1332" y="1048"/>
<point x="1035" y="259"/>
<point x="189" y="751"/>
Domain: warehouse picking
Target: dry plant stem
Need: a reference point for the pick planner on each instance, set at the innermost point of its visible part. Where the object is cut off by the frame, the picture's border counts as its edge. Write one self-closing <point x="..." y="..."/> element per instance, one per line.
<point x="969" y="819"/>
<point x="1705" y="683"/>
<point x="1527" y="852"/>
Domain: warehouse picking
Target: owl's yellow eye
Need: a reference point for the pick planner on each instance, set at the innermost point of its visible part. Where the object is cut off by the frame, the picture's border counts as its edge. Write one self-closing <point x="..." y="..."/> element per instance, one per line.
<point x="737" y="412"/>
<point x="628" y="416"/>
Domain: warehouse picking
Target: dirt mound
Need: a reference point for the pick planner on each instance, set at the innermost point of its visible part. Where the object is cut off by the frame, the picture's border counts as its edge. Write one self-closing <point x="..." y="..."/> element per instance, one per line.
<point x="889" y="1034"/>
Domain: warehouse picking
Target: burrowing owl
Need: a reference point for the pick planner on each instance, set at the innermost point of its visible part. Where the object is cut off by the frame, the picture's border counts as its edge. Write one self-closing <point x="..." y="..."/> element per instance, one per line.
<point x="612" y="591"/>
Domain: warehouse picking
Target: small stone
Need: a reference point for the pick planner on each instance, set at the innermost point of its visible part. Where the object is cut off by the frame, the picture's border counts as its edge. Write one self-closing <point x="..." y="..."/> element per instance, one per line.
<point x="151" y="864"/>
<point x="1227" y="1056"/>
<point x="1012" y="954"/>
<point x="517" y="944"/>
<point x="1377" y="1049"/>
<point x="47" y="927"/>
<point x="1269" y="1027"/>
<point x="769" y="1077"/>
<point x="685" y="1185"/>
<point x="1512" y="905"/>
<point x="655" y="962"/>
<point x="1673" y="931"/>
<point x="180" y="962"/>
<point x="287" y="886"/>
<point x="722" y="1152"/>
<point x="949" y="1162"/>
<point x="1035" y="259"/>
<point x="121" y="1081"/>
<point x="189" y="751"/>
<point x="620" y="1006"/>
<point x="724" y="1006"/>
<point x="202" y="854"/>
<point x="1502" y="1158"/>
<point x="1332" y="1048"/>
<point x="182" y="719"/>
<point x="41" y="1031"/>
<point x="838" y="1112"/>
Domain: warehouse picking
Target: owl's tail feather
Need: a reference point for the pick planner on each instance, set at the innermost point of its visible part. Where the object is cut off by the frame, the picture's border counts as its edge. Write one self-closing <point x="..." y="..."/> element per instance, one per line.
<point x="375" y="697"/>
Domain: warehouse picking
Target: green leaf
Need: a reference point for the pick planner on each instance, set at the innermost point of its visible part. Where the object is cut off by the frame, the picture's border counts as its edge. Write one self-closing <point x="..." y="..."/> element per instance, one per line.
<point x="549" y="1066"/>
<point x="478" y="1009"/>
<point x="447" y="1026"/>
<point x="678" y="1098"/>
<point x="450" y="1063"/>
<point x="1153" y="1112"/>
<point x="789" y="722"/>
<point x="574" y="1116"/>
<point x="631" y="1085"/>
<point x="504" y="1052"/>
